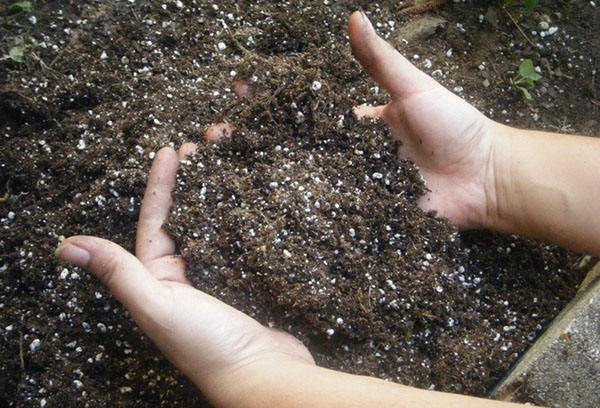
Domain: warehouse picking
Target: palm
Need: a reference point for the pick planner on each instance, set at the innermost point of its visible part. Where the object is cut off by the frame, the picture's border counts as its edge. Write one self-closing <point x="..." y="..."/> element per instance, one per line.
<point x="451" y="150"/>
<point x="195" y="331"/>
<point x="445" y="136"/>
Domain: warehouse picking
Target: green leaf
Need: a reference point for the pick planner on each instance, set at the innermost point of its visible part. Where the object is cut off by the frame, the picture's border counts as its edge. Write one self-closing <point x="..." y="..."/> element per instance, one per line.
<point x="531" y="4"/>
<point x="525" y="92"/>
<point x="526" y="68"/>
<point x="509" y="2"/>
<point x="16" y="54"/>
<point x="20" y="6"/>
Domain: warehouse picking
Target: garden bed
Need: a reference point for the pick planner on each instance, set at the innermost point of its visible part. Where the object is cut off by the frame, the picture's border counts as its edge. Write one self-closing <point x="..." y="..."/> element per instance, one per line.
<point x="370" y="283"/>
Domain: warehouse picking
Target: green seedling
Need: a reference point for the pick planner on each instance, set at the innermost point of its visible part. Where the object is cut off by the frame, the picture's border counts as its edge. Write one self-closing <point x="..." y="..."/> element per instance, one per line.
<point x="529" y="4"/>
<point x="16" y="54"/>
<point x="15" y="11"/>
<point x="525" y="76"/>
<point x="20" y="7"/>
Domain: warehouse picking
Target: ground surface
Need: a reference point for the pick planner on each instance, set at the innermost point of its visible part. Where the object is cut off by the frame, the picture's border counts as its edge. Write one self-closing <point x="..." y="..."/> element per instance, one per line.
<point x="103" y="85"/>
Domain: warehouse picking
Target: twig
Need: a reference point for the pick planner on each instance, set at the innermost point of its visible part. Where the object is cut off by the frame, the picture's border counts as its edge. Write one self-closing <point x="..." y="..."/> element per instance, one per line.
<point x="519" y="28"/>
<point x="134" y="14"/>
<point x="21" y="351"/>
<point x="61" y="52"/>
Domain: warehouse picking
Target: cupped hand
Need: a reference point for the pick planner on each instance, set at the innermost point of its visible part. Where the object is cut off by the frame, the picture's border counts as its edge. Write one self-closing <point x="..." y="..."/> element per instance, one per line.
<point x="206" y="339"/>
<point x="450" y="140"/>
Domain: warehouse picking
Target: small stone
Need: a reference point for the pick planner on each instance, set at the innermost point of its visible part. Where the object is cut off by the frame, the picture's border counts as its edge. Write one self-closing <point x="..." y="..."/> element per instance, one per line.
<point x="35" y="344"/>
<point x="221" y="46"/>
<point x="124" y="60"/>
<point x="287" y="253"/>
<point x="316" y="85"/>
<point x="103" y="56"/>
<point x="11" y="215"/>
<point x="330" y="332"/>
<point x="485" y="83"/>
<point x="544" y="25"/>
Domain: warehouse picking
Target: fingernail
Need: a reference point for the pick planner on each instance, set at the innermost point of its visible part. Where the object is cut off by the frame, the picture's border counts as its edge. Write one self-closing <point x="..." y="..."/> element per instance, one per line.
<point x="72" y="254"/>
<point x="367" y="21"/>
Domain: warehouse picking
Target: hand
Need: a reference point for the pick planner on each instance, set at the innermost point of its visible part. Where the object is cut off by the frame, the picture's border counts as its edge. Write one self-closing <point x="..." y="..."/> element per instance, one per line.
<point x="447" y="138"/>
<point x="206" y="339"/>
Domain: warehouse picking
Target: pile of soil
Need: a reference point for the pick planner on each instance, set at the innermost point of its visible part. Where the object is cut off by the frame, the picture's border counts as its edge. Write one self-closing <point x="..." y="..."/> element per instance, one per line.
<point x="103" y="86"/>
<point x="307" y="220"/>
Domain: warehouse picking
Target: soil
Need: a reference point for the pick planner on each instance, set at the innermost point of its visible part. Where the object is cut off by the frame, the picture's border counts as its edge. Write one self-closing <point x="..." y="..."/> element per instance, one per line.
<point x="368" y="281"/>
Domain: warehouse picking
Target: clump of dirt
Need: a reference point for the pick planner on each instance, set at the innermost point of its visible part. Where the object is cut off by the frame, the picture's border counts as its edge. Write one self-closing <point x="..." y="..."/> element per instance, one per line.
<point x="103" y="86"/>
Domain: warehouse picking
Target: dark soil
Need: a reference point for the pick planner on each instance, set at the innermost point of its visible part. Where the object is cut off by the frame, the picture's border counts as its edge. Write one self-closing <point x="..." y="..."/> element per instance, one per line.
<point x="103" y="85"/>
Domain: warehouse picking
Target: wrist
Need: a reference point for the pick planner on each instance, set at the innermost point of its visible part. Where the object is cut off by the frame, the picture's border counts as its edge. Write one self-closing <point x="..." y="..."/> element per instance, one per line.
<point x="251" y="366"/>
<point x="258" y="383"/>
<point x="481" y="205"/>
<point x="499" y="184"/>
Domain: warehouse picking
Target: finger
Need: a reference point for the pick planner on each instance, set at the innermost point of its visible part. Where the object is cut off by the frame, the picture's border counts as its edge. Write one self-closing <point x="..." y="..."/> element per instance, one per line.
<point x="366" y="111"/>
<point x="242" y="89"/>
<point x="152" y="241"/>
<point x="382" y="62"/>
<point x="217" y="132"/>
<point x="119" y="270"/>
<point x="186" y="150"/>
<point x="171" y="268"/>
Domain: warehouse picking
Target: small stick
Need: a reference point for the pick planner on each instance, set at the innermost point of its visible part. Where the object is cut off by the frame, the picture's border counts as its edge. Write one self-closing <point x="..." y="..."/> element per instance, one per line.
<point x="21" y="351"/>
<point x="134" y="13"/>
<point x="519" y="28"/>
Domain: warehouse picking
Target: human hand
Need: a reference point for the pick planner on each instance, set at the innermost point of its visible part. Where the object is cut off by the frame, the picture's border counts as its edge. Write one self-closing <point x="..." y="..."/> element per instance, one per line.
<point x="450" y="140"/>
<point x="209" y="341"/>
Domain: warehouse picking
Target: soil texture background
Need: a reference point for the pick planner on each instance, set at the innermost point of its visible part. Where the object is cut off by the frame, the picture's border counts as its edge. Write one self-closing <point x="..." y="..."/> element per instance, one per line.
<point x="368" y="281"/>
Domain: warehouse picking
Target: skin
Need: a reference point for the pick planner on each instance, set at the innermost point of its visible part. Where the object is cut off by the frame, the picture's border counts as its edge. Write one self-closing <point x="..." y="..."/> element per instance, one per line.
<point x="480" y="173"/>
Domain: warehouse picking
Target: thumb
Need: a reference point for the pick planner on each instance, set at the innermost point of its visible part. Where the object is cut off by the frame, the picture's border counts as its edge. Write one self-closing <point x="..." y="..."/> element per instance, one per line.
<point x="382" y="62"/>
<point x="131" y="283"/>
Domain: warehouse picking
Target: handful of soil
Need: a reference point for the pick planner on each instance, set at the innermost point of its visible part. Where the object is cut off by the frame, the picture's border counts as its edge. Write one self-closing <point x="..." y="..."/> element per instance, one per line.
<point x="306" y="220"/>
